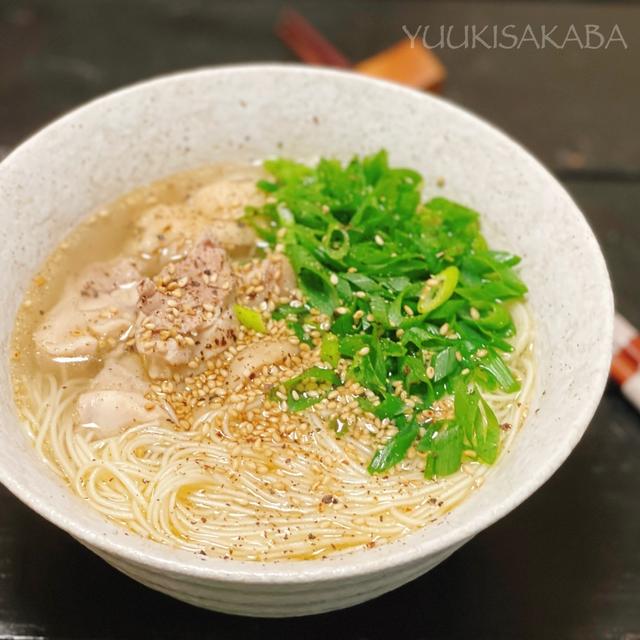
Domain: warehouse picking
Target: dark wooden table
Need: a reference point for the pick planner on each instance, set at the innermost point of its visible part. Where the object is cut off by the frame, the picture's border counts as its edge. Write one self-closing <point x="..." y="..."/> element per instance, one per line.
<point x="566" y="564"/>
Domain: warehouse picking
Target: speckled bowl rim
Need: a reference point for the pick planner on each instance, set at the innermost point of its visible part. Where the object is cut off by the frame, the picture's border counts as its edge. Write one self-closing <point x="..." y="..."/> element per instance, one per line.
<point x="357" y="563"/>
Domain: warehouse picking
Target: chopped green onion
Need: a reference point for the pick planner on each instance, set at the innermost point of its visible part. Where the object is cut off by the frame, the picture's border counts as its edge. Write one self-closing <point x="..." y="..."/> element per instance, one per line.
<point x="340" y="426"/>
<point x="365" y="250"/>
<point x="299" y="398"/>
<point x="435" y="295"/>
<point x="395" y="450"/>
<point x="444" y="444"/>
<point x="330" y="349"/>
<point x="445" y="363"/>
<point x="249" y="318"/>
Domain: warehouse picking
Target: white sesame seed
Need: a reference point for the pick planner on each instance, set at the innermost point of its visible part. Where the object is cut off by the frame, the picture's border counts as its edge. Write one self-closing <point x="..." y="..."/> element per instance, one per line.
<point x="364" y="351"/>
<point x="333" y="278"/>
<point x="342" y="310"/>
<point x="444" y="329"/>
<point x="481" y="353"/>
<point x="379" y="240"/>
<point x="474" y="313"/>
<point x="431" y="372"/>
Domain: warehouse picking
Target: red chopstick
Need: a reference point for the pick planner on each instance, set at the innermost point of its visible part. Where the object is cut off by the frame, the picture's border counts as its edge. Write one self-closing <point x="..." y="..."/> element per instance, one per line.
<point x="625" y="366"/>
<point x="307" y="42"/>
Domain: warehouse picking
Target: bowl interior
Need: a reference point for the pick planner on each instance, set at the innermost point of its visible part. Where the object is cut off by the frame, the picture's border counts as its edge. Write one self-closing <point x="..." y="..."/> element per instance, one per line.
<point x="246" y="113"/>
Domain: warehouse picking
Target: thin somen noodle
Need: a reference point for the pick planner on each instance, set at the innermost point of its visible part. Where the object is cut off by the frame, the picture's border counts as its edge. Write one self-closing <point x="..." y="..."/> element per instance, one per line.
<point x="181" y="488"/>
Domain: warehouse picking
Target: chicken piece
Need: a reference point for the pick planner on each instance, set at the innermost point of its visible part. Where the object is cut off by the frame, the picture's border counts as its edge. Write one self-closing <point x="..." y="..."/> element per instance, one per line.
<point x="116" y="398"/>
<point x="97" y="308"/>
<point x="238" y="239"/>
<point x="164" y="233"/>
<point x="185" y="314"/>
<point x="227" y="197"/>
<point x="268" y="279"/>
<point x="167" y="232"/>
<point x="257" y="355"/>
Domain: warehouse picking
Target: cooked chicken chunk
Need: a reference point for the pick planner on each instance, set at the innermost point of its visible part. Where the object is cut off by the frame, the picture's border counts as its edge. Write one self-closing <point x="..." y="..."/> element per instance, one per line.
<point x="167" y="232"/>
<point x="238" y="239"/>
<point x="164" y="233"/>
<point x="116" y="399"/>
<point x="96" y="309"/>
<point x="185" y="313"/>
<point x="226" y="198"/>
<point x="257" y="355"/>
<point x="267" y="279"/>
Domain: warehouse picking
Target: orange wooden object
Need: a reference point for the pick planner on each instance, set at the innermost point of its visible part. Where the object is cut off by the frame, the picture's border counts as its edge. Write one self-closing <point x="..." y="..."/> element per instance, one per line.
<point x="414" y="66"/>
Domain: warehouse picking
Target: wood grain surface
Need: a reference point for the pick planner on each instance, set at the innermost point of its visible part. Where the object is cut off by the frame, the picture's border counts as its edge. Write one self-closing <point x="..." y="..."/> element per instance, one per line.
<point x="566" y="564"/>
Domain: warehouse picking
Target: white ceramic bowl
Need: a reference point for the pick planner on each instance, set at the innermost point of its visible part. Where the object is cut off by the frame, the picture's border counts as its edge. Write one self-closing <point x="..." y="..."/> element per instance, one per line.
<point x="243" y="113"/>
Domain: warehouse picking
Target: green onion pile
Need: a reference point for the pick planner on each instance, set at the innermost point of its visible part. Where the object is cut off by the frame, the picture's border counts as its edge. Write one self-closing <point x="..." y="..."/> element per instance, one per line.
<point x="414" y="293"/>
